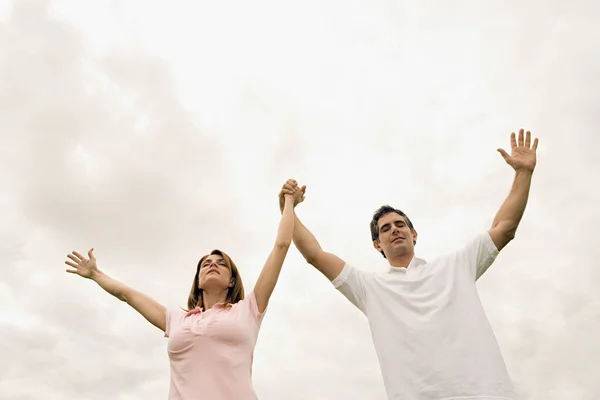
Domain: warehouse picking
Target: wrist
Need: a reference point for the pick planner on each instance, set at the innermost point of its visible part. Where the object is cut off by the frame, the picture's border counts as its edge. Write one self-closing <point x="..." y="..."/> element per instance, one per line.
<point x="288" y="204"/>
<point x="524" y="172"/>
<point x="95" y="275"/>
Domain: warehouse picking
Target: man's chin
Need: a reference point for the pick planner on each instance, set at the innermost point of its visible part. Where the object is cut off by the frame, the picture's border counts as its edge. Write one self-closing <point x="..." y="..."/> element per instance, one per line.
<point x="400" y="250"/>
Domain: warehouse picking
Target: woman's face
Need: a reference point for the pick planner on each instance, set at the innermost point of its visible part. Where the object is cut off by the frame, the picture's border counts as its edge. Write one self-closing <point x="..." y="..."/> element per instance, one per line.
<point x="214" y="273"/>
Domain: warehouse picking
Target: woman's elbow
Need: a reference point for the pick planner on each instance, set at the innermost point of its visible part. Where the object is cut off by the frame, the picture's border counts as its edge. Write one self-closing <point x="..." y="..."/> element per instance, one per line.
<point x="283" y="244"/>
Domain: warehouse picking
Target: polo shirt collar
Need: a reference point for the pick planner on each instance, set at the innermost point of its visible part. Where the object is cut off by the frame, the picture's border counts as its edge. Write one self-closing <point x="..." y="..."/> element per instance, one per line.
<point x="198" y="310"/>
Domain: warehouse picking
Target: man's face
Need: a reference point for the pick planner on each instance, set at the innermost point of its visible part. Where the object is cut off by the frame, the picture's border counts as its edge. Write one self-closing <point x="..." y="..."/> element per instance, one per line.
<point x="395" y="237"/>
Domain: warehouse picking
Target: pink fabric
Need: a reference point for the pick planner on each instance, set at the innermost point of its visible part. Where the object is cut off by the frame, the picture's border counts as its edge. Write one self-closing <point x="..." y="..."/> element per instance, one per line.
<point x="211" y="352"/>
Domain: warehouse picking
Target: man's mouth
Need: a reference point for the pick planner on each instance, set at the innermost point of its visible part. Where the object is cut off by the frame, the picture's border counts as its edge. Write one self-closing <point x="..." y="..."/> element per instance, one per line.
<point x="399" y="238"/>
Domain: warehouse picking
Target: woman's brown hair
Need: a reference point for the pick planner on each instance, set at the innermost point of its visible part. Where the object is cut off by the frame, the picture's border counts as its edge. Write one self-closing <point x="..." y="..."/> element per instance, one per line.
<point x="235" y="293"/>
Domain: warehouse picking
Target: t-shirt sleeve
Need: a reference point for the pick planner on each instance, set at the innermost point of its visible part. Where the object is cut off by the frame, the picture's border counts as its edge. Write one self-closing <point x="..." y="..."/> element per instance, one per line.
<point x="478" y="255"/>
<point x="351" y="283"/>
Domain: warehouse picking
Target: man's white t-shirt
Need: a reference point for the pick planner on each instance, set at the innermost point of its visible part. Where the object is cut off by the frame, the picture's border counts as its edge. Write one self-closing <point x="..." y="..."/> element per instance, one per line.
<point x="432" y="337"/>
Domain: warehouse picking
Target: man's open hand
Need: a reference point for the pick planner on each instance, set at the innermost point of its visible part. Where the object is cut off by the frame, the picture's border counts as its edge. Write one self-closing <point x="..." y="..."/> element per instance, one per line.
<point x="522" y="157"/>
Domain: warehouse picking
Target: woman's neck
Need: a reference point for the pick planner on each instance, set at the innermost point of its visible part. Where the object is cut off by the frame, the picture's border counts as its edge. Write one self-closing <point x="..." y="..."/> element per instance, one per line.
<point x="210" y="298"/>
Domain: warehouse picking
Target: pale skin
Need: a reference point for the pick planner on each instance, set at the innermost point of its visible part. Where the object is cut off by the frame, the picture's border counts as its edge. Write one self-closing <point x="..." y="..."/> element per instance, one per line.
<point x="397" y="240"/>
<point x="214" y="277"/>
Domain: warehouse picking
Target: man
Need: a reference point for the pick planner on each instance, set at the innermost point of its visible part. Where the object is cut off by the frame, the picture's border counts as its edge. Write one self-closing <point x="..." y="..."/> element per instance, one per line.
<point x="432" y="337"/>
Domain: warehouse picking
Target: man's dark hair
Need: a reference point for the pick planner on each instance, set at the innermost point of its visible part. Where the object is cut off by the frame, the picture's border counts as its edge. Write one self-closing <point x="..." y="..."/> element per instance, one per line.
<point x="381" y="211"/>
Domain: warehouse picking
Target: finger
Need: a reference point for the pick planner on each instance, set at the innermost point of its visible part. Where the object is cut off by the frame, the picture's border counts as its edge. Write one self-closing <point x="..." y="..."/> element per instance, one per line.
<point x="513" y="140"/>
<point x="527" y="139"/>
<point x="503" y="153"/>
<point x="82" y="258"/>
<point x="71" y="264"/>
<point x="72" y="257"/>
<point x="91" y="254"/>
<point x="71" y="271"/>
<point x="535" y="144"/>
<point x="521" y="142"/>
<point x="303" y="189"/>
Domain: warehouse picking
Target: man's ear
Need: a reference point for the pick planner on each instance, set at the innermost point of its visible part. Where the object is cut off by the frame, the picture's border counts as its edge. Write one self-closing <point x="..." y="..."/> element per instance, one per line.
<point x="415" y="235"/>
<point x="376" y="245"/>
<point x="378" y="248"/>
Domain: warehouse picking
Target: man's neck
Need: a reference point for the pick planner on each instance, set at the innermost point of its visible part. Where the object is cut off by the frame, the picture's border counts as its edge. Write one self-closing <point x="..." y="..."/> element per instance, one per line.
<point x="401" y="261"/>
<point x="210" y="298"/>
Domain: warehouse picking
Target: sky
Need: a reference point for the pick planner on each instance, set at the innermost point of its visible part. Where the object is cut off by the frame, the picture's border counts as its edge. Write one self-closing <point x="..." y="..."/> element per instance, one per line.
<point x="156" y="132"/>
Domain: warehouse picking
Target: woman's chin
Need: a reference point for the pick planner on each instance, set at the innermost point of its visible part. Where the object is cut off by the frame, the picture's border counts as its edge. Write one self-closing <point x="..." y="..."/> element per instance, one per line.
<point x="213" y="283"/>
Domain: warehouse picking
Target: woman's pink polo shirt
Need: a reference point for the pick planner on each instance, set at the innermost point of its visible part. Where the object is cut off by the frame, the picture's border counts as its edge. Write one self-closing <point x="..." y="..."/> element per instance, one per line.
<point x="211" y="351"/>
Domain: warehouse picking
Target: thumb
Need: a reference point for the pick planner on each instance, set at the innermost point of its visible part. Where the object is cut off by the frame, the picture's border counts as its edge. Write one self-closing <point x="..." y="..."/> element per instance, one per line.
<point x="504" y="154"/>
<point x="91" y="254"/>
<point x="303" y="189"/>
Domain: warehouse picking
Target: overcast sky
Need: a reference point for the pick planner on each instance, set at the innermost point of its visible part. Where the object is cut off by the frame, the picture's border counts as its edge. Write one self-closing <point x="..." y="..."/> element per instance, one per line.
<point x="156" y="132"/>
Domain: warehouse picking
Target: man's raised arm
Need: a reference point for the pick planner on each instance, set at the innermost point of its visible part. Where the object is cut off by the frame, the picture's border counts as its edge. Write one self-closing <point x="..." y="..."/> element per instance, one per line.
<point x="523" y="161"/>
<point x="329" y="264"/>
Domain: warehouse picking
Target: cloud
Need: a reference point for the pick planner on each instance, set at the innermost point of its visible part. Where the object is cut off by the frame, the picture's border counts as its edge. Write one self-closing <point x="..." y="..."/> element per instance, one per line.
<point x="176" y="142"/>
<point x="95" y="152"/>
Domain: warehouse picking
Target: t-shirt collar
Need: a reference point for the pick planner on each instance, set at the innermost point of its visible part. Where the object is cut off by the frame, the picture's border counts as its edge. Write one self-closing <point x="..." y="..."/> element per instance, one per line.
<point x="415" y="262"/>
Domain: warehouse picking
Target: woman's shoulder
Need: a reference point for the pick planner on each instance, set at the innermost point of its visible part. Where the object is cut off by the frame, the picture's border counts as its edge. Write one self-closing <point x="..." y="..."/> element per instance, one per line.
<point x="248" y="304"/>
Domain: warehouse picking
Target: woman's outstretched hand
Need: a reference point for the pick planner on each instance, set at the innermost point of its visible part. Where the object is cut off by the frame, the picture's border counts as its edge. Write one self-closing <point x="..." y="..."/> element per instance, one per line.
<point x="85" y="267"/>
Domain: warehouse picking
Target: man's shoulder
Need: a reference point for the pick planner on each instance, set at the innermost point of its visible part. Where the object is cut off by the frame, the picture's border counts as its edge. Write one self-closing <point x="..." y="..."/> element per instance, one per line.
<point x="471" y="243"/>
<point x="362" y="272"/>
<point x="361" y="269"/>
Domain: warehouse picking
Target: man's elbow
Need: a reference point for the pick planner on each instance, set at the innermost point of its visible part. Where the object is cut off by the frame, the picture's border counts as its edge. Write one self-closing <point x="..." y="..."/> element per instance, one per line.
<point x="312" y="257"/>
<point x="310" y="252"/>
<point x="510" y="234"/>
<point x="502" y="235"/>
<point x="506" y="228"/>
<point x="508" y="237"/>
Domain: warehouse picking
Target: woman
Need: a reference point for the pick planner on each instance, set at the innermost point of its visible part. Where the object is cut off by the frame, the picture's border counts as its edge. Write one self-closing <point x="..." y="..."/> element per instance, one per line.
<point x="210" y="346"/>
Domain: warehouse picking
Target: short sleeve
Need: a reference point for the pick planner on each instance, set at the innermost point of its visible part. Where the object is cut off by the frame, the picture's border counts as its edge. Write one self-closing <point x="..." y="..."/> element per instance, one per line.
<point x="253" y="305"/>
<point x="173" y="317"/>
<point x="351" y="283"/>
<point x="478" y="255"/>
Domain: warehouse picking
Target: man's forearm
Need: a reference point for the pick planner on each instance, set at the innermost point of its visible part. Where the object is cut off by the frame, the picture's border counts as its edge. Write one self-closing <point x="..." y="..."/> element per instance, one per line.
<point x="510" y="213"/>
<point x="306" y="243"/>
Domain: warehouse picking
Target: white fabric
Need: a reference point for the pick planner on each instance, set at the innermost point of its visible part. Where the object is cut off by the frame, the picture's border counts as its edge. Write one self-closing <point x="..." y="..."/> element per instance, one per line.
<point x="430" y="331"/>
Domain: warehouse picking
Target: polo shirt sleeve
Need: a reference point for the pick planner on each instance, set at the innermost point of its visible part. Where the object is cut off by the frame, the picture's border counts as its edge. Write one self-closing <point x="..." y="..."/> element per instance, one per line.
<point x="478" y="255"/>
<point x="351" y="283"/>
<point x="173" y="317"/>
<point x="253" y="308"/>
